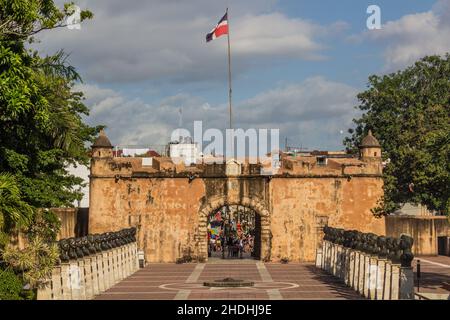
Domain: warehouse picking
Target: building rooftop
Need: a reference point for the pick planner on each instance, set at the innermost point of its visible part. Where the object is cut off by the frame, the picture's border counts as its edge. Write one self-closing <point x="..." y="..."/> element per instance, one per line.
<point x="369" y="141"/>
<point x="102" y="141"/>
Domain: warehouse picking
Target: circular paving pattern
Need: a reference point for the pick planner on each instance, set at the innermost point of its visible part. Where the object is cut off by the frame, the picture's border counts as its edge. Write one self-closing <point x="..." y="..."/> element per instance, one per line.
<point x="199" y="287"/>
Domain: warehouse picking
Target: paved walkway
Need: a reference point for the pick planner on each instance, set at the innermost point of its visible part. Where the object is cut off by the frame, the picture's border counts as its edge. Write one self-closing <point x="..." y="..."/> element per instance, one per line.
<point x="272" y="281"/>
<point x="435" y="272"/>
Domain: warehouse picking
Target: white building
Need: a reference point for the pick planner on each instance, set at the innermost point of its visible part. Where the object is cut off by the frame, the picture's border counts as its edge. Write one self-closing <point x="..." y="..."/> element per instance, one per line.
<point x="184" y="151"/>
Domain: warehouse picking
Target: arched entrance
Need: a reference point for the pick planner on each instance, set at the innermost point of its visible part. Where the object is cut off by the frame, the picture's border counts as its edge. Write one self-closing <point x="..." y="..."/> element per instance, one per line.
<point x="261" y="221"/>
<point x="234" y="232"/>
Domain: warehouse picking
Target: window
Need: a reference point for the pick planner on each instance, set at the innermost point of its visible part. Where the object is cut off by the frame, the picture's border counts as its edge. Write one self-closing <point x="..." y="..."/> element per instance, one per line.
<point x="321" y="161"/>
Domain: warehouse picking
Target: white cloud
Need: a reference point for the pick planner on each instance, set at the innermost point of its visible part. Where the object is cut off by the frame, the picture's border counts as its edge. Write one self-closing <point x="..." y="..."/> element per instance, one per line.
<point x="165" y="40"/>
<point x="414" y="36"/>
<point x="313" y="111"/>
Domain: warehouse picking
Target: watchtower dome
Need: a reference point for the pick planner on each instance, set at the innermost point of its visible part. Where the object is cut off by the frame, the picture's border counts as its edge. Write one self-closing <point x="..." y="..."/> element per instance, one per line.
<point x="102" y="147"/>
<point x="370" y="148"/>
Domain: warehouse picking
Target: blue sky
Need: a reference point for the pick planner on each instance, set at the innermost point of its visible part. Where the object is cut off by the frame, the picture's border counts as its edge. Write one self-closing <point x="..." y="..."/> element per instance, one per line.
<point x="297" y="65"/>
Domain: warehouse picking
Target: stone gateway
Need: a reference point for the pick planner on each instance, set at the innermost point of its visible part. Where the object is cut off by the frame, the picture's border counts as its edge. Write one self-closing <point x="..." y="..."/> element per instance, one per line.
<point x="170" y="203"/>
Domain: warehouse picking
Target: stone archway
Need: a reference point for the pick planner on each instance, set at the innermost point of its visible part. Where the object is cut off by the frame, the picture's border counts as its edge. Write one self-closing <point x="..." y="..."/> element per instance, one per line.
<point x="214" y="204"/>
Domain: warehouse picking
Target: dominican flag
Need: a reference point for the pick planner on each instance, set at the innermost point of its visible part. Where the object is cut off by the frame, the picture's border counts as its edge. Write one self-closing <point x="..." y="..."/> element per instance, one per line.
<point x="219" y="30"/>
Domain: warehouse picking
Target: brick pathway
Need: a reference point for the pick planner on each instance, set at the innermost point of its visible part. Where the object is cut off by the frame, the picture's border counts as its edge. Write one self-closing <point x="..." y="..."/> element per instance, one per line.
<point x="272" y="281"/>
<point x="435" y="271"/>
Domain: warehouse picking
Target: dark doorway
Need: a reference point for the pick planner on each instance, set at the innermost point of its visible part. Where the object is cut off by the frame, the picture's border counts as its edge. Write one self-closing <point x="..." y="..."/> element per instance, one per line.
<point x="234" y="232"/>
<point x="444" y="246"/>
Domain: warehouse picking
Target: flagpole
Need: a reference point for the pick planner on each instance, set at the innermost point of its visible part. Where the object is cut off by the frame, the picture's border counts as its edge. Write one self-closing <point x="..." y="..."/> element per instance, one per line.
<point x="229" y="87"/>
<point x="229" y="71"/>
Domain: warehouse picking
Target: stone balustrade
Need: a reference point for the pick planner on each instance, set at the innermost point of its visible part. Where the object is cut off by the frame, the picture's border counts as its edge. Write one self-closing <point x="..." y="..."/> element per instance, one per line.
<point x="377" y="267"/>
<point x="91" y="265"/>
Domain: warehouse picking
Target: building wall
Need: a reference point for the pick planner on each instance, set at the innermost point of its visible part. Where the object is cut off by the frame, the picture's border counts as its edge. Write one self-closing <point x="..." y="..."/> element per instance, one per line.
<point x="424" y="229"/>
<point x="170" y="213"/>
<point x="301" y="207"/>
<point x="170" y="203"/>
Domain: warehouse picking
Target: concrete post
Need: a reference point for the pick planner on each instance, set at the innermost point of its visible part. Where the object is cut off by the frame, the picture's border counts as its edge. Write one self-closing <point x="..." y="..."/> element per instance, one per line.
<point x="120" y="263"/>
<point x="88" y="282"/>
<point x="112" y="280"/>
<point x="350" y="267"/>
<point x="100" y="273"/>
<point x="94" y="267"/>
<point x="127" y="260"/>
<point x="329" y="257"/>
<point x="344" y="263"/>
<point x="362" y="272"/>
<point x="373" y="271"/>
<point x="355" y="279"/>
<point x="66" y="285"/>
<point x="318" y="258"/>
<point x="366" y="275"/>
<point x="135" y="257"/>
<point x="381" y="277"/>
<point x="115" y="258"/>
<point x="57" y="283"/>
<point x="44" y="292"/>
<point x="75" y="282"/>
<point x="387" y="281"/>
<point x="324" y="254"/>
<point x="338" y="261"/>
<point x="106" y="270"/>
<point x="395" y="284"/>
<point x="82" y="279"/>
<point x="334" y="259"/>
<point x="406" y="283"/>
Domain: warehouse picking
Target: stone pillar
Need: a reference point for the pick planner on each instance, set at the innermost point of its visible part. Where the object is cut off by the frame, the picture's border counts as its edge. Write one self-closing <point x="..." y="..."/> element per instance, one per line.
<point x="333" y="258"/>
<point x="100" y="273"/>
<point x="120" y="262"/>
<point x="88" y="282"/>
<point x="337" y="261"/>
<point x="319" y="258"/>
<point x="373" y="271"/>
<point x="395" y="282"/>
<point x="387" y="281"/>
<point x="361" y="273"/>
<point x="82" y="279"/>
<point x="44" y="292"/>
<point x="330" y="258"/>
<point x="340" y="261"/>
<point x="366" y="275"/>
<point x="406" y="283"/>
<point x="381" y="274"/>
<point x="66" y="286"/>
<point x="106" y="270"/>
<point x="75" y="281"/>
<point x="115" y="258"/>
<point x="355" y="279"/>
<point x="135" y="257"/>
<point x="350" y="267"/>
<point x="94" y="268"/>
<point x="127" y="260"/>
<point x="344" y="262"/>
<point x="324" y="254"/>
<point x="57" y="283"/>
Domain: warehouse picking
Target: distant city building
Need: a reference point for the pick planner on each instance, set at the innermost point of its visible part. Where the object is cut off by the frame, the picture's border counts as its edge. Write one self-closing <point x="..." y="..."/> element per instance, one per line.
<point x="184" y="151"/>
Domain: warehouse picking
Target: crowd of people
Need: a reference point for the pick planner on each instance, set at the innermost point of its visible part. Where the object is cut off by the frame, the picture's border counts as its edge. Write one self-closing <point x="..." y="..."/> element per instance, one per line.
<point x="233" y="246"/>
<point x="231" y="233"/>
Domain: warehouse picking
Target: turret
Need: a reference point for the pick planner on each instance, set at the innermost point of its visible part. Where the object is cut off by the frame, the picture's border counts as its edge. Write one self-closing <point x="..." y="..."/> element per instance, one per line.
<point x="370" y="148"/>
<point x="102" y="147"/>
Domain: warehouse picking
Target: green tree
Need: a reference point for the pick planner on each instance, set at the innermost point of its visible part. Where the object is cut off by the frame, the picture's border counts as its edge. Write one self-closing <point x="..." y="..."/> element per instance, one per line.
<point x="14" y="212"/>
<point x="409" y="112"/>
<point x="42" y="132"/>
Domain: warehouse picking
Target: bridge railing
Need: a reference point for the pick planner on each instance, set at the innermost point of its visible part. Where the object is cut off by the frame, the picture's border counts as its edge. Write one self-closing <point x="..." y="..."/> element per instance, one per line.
<point x="91" y="265"/>
<point x="377" y="267"/>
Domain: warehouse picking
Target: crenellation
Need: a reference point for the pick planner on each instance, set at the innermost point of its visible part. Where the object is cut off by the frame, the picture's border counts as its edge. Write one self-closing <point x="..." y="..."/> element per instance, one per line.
<point x="169" y="201"/>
